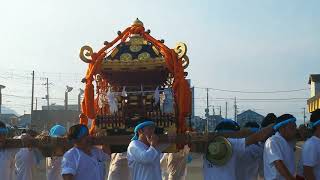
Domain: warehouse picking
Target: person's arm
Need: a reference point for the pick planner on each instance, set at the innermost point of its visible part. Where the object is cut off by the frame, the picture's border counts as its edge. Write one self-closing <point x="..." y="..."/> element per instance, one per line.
<point x="260" y="135"/>
<point x="308" y="173"/>
<point x="283" y="170"/>
<point x="309" y="159"/>
<point x="68" y="166"/>
<point x="67" y="177"/>
<point x="144" y="156"/>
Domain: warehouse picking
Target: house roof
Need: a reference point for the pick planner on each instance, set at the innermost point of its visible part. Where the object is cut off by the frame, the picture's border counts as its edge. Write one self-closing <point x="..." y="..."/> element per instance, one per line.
<point x="249" y="112"/>
<point x="7" y="116"/>
<point x="314" y="78"/>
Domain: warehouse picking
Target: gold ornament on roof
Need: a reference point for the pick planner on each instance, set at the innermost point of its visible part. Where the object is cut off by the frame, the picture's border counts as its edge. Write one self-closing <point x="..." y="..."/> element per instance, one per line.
<point x="125" y="57"/>
<point x="135" y="48"/>
<point x="137" y="40"/>
<point x="85" y="53"/>
<point x="137" y="22"/>
<point x="143" y="56"/>
<point x="180" y="49"/>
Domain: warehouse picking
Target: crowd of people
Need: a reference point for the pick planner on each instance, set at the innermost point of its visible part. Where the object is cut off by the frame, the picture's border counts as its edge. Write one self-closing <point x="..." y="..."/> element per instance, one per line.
<point x="268" y="152"/>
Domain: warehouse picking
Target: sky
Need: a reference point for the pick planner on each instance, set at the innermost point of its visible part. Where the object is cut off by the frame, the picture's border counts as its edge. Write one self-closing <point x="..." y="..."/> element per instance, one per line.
<point x="242" y="45"/>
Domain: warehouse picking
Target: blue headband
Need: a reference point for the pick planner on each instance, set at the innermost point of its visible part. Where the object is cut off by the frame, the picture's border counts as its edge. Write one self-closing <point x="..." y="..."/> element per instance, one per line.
<point x="4" y="131"/>
<point x="283" y="123"/>
<point x="83" y="132"/>
<point x="140" y="126"/>
<point x="314" y="124"/>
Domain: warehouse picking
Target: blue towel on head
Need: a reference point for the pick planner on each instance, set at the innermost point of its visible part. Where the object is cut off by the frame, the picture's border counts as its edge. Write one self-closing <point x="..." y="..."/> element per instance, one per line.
<point x="140" y="126"/>
<point x="57" y="131"/>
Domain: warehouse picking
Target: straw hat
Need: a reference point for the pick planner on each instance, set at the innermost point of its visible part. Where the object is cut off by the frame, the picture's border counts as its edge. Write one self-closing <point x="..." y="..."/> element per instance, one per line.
<point x="219" y="151"/>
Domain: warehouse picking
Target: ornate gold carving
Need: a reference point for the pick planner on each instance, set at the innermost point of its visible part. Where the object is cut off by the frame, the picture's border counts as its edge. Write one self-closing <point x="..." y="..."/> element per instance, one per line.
<point x="143" y="56"/>
<point x="185" y="61"/>
<point x="155" y="50"/>
<point x="135" y="48"/>
<point x="125" y="57"/>
<point x="136" y="40"/>
<point x="158" y="63"/>
<point x="114" y="52"/>
<point x="137" y="22"/>
<point x="85" y="53"/>
<point x="180" y="49"/>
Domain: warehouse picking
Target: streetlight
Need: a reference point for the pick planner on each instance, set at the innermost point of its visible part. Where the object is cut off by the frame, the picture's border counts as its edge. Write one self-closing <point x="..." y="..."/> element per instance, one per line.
<point x="1" y="87"/>
<point x="69" y="89"/>
<point x="79" y="98"/>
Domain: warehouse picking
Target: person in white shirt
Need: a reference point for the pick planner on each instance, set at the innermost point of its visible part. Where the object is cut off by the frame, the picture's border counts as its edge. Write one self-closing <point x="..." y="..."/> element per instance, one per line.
<point x="27" y="159"/>
<point x="175" y="164"/>
<point x="251" y="157"/>
<point x="83" y="161"/>
<point x="278" y="156"/>
<point x="143" y="155"/>
<point x="269" y="119"/>
<point x="311" y="150"/>
<point x="6" y="155"/>
<point x="227" y="171"/>
<point x="53" y="164"/>
<point x="119" y="167"/>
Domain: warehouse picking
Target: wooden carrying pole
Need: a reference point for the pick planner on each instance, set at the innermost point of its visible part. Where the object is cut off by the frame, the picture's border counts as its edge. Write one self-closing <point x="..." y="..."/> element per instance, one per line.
<point x="191" y="138"/>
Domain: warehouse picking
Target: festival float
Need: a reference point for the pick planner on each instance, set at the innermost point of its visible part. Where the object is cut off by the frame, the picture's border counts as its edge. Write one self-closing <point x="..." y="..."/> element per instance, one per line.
<point x="134" y="77"/>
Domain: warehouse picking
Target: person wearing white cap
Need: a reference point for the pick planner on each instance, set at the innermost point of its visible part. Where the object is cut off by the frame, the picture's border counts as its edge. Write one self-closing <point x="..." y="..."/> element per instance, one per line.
<point x="143" y="154"/>
<point x="83" y="161"/>
<point x="53" y="164"/>
<point x="311" y="150"/>
<point x="278" y="155"/>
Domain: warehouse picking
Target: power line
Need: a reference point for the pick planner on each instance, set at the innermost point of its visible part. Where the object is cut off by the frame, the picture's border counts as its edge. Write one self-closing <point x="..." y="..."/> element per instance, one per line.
<point x="255" y="92"/>
<point x="28" y="97"/>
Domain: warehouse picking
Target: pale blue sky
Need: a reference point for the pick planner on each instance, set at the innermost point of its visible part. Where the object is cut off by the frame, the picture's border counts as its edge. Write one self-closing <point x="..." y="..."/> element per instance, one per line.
<point x="252" y="45"/>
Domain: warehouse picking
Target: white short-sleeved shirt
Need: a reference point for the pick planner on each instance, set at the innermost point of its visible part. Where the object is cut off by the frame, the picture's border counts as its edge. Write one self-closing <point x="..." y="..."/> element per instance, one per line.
<point x="144" y="161"/>
<point x="311" y="155"/>
<point x="82" y="166"/>
<point x="227" y="171"/>
<point x="277" y="148"/>
<point x="7" y="163"/>
<point x="248" y="163"/>
<point x="53" y="168"/>
<point x="25" y="161"/>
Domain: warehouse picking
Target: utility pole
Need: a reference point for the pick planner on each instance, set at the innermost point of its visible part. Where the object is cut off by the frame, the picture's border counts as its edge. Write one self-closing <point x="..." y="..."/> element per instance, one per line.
<point x="214" y="112"/>
<point x="79" y="99"/>
<point x="235" y="109"/>
<point x="69" y="89"/>
<point x="47" y="96"/>
<point x="220" y="112"/>
<point x="1" y="87"/>
<point x="304" y="116"/>
<point x="32" y="94"/>
<point x="36" y="103"/>
<point x="226" y="110"/>
<point x="207" y="109"/>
